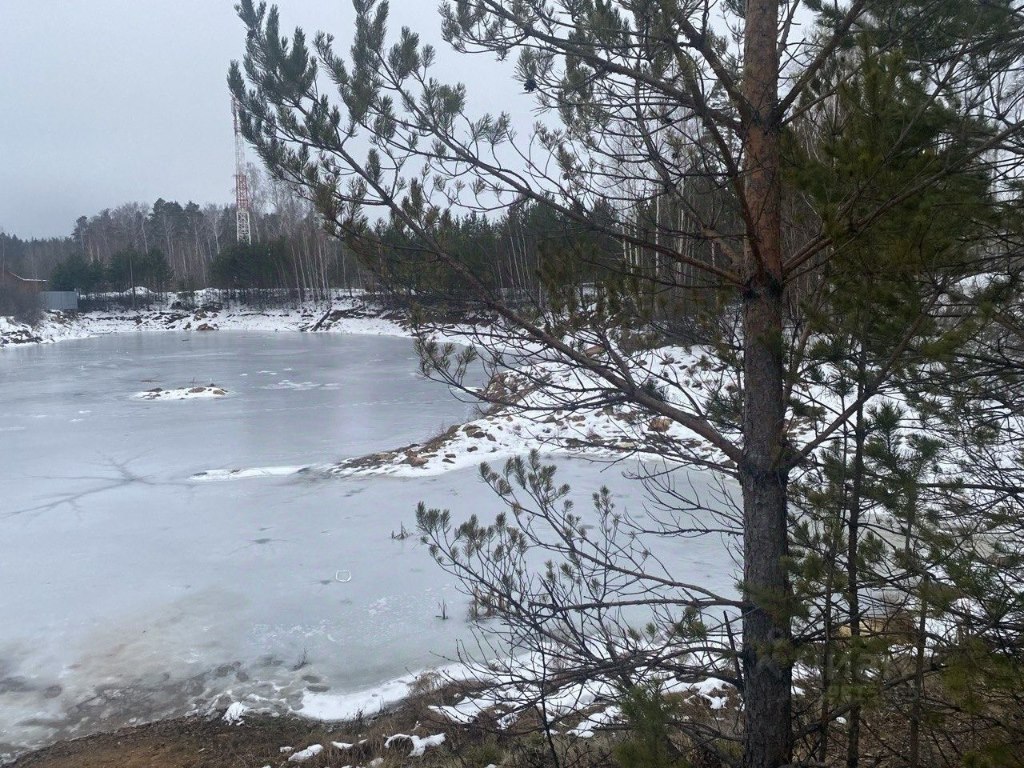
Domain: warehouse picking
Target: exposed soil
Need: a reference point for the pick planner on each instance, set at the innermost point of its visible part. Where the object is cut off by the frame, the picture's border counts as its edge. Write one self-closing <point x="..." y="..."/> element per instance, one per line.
<point x="263" y="740"/>
<point x="184" y="743"/>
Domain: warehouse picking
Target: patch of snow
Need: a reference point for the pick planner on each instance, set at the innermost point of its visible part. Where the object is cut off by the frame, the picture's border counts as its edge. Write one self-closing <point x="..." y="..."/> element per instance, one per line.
<point x="599" y="719"/>
<point x="241" y="474"/>
<point x="183" y="393"/>
<point x="466" y="711"/>
<point x="301" y="386"/>
<point x="235" y="713"/>
<point x="350" y="706"/>
<point x="712" y="691"/>
<point x="306" y="754"/>
<point x="419" y="745"/>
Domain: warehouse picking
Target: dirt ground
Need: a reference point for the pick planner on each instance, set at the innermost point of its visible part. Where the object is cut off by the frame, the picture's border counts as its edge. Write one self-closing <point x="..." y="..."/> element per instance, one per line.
<point x="193" y="743"/>
<point x="264" y="740"/>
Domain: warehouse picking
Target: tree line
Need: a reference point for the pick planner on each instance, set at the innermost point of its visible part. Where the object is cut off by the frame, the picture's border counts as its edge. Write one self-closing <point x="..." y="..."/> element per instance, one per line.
<point x="168" y="246"/>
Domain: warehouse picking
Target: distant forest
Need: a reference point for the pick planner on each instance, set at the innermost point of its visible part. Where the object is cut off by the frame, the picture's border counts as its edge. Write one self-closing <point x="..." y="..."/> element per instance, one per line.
<point x="169" y="246"/>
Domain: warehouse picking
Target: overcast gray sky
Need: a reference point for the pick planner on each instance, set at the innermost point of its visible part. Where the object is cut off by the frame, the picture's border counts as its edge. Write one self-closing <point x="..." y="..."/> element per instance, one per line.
<point x="112" y="101"/>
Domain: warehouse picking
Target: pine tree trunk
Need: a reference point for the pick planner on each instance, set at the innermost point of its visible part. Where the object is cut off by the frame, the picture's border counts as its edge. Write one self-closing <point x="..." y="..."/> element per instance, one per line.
<point x="853" y="565"/>
<point x="767" y="669"/>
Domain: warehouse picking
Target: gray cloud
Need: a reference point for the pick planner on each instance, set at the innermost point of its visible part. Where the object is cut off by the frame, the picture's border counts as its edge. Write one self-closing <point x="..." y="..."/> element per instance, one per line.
<point x="112" y="101"/>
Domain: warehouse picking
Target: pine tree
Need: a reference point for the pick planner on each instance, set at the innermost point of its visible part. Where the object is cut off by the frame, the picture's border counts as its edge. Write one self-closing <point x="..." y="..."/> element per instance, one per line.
<point x="653" y="98"/>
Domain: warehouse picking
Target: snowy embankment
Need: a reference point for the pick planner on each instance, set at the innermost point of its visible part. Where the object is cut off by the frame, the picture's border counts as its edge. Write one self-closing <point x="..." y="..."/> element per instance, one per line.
<point x="502" y="699"/>
<point x="537" y="417"/>
<point x="346" y="314"/>
<point x="503" y="696"/>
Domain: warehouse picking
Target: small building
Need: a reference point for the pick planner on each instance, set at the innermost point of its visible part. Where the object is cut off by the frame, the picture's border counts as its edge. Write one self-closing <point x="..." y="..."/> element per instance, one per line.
<point x="26" y="284"/>
<point x="65" y="301"/>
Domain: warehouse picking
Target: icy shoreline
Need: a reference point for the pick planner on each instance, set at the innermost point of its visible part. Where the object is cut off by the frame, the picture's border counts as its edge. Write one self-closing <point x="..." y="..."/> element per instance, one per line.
<point x="344" y="314"/>
<point x="500" y="434"/>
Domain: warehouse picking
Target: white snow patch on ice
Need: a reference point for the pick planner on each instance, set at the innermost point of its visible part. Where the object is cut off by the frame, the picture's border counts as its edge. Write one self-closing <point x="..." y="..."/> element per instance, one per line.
<point x="183" y="393"/>
<point x="301" y="386"/>
<point x="242" y="474"/>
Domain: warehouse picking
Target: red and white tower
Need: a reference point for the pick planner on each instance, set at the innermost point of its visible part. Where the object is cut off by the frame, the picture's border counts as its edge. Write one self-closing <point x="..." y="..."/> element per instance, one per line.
<point x="242" y="217"/>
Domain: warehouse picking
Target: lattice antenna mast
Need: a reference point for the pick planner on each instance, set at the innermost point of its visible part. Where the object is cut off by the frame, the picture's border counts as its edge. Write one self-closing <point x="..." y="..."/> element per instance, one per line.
<point x="243" y="222"/>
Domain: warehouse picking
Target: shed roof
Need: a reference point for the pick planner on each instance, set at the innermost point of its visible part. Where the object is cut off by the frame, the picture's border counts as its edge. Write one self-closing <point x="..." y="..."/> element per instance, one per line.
<point x="5" y="272"/>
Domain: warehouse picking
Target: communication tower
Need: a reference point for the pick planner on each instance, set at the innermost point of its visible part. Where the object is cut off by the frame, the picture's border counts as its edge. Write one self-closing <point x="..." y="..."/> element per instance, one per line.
<point x="242" y="217"/>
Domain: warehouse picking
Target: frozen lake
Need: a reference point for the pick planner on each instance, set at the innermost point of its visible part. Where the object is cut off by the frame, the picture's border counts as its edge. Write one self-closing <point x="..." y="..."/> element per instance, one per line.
<point x="130" y="592"/>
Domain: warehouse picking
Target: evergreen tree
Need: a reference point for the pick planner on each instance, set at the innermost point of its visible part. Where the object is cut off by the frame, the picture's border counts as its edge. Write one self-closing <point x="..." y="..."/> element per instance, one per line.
<point x="699" y="141"/>
<point x="75" y="273"/>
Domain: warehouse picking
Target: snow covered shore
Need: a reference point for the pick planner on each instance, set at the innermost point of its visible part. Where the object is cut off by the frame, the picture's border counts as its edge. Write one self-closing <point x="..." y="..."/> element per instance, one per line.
<point x="497" y="435"/>
<point x="345" y="315"/>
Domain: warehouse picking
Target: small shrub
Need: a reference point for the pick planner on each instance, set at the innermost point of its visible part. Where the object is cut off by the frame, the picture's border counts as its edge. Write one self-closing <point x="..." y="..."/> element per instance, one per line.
<point x="648" y="744"/>
<point x="486" y="753"/>
<point x="21" y="305"/>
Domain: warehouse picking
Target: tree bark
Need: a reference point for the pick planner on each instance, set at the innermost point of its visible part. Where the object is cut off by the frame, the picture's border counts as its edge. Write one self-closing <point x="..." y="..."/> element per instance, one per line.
<point x="767" y="665"/>
<point x="853" y="566"/>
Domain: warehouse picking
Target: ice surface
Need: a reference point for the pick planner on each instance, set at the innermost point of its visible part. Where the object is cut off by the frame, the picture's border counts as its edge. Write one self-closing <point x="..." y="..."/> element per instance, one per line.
<point x="130" y="591"/>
